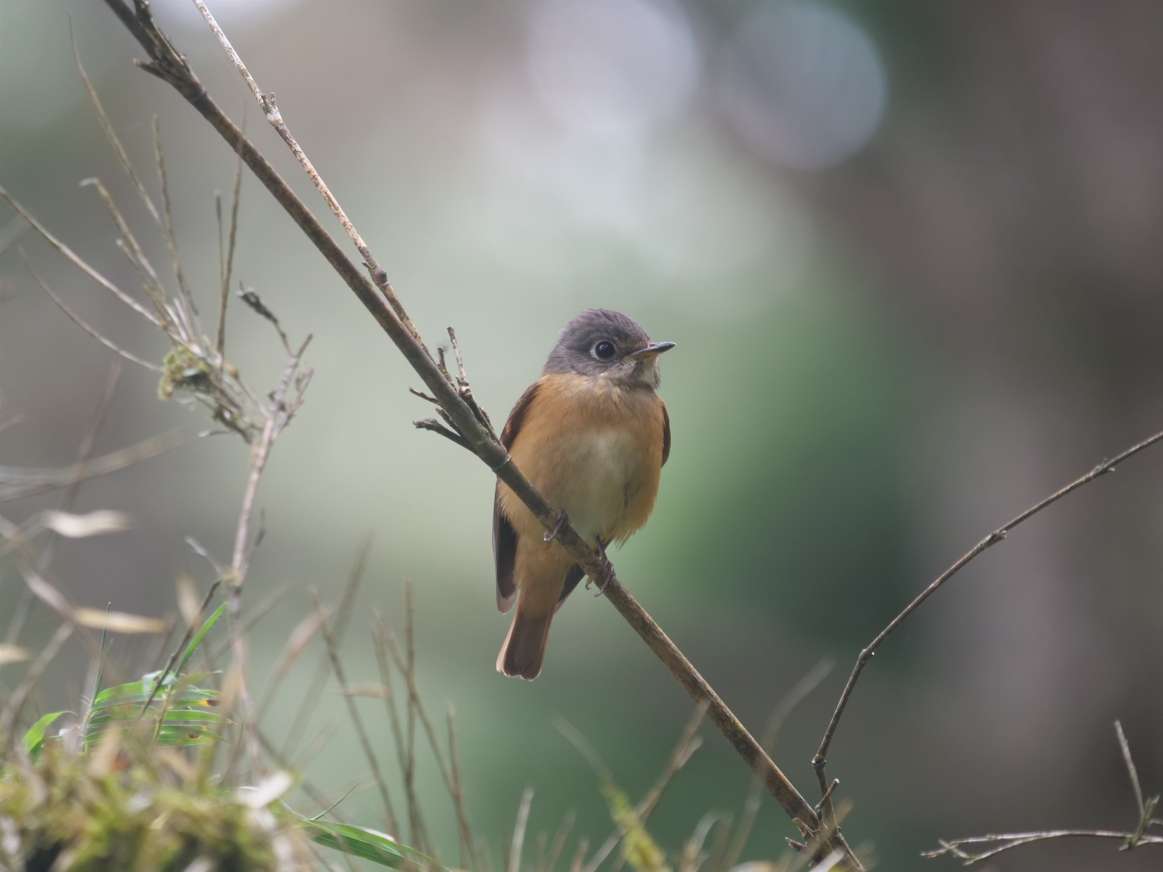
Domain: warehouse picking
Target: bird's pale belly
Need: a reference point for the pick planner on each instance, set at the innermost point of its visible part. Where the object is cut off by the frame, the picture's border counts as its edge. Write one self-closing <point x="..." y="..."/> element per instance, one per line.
<point x="601" y="472"/>
<point x="597" y="458"/>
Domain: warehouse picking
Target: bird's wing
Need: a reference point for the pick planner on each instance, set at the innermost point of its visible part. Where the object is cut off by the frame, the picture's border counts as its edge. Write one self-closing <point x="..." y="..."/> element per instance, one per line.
<point x="665" y="433"/>
<point x="504" y="536"/>
<point x="575" y="574"/>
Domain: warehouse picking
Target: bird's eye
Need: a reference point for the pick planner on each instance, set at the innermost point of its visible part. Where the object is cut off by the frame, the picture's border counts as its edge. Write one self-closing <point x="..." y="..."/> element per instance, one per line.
<point x="604" y="350"/>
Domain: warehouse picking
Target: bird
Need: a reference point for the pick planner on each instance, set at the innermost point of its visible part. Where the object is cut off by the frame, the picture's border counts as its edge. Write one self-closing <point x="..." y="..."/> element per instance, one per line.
<point x="592" y="435"/>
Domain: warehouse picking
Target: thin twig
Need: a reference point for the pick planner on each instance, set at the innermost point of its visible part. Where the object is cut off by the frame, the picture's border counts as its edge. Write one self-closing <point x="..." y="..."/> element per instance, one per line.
<point x="337" y="666"/>
<point x="171" y="237"/>
<point x="279" y="414"/>
<point x="406" y="739"/>
<point x="228" y="266"/>
<point x="687" y="744"/>
<point x="457" y="790"/>
<point x="559" y="840"/>
<point x="767" y="739"/>
<point x="1004" y="842"/>
<point x="275" y="118"/>
<point x="409" y="670"/>
<point x="323" y="667"/>
<point x="447" y="772"/>
<point x="1131" y="770"/>
<point x="256" y="614"/>
<point x="319" y="742"/>
<point x="436" y="427"/>
<point x="579" y="856"/>
<point x="306" y="786"/>
<point x="181" y="646"/>
<point x="819" y="762"/>
<point x="20" y="696"/>
<point x="519" y="831"/>
<point x="18" y="482"/>
<point x="296" y="644"/>
<point x="954" y="847"/>
<point x="150" y="282"/>
<point x="107" y="127"/>
<point x="68" y="499"/>
<point x="76" y="319"/>
<point x="81" y="264"/>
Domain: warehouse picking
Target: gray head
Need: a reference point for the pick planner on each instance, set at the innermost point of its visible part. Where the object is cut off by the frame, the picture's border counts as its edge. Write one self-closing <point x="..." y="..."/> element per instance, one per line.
<point x="605" y="343"/>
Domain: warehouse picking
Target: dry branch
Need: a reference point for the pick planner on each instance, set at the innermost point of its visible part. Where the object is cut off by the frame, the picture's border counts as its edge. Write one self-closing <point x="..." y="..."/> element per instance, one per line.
<point x="990" y="845"/>
<point x="167" y="64"/>
<point x="819" y="762"/>
<point x="333" y="654"/>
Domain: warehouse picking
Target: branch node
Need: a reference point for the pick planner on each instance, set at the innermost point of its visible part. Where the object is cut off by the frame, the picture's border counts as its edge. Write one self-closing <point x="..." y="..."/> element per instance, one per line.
<point x="822" y="804"/>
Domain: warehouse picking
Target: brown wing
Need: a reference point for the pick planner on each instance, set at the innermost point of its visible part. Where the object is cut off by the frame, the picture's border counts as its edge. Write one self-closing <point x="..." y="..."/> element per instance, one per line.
<point x="665" y="433"/>
<point x="504" y="536"/>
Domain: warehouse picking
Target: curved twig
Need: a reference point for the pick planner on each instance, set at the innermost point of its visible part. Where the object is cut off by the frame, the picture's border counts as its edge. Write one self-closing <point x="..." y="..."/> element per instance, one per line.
<point x="819" y="762"/>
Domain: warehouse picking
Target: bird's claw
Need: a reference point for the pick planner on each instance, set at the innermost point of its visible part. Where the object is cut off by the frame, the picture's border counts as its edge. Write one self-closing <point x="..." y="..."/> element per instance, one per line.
<point x="561" y="522"/>
<point x="608" y="576"/>
<point x="607" y="570"/>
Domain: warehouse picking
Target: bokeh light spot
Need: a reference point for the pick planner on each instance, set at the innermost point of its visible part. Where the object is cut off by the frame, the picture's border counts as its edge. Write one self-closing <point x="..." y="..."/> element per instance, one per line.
<point x="612" y="68"/>
<point x="803" y="85"/>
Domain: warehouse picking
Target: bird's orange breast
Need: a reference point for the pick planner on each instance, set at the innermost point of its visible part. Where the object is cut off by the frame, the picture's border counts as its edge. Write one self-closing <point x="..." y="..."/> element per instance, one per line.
<point x="594" y="449"/>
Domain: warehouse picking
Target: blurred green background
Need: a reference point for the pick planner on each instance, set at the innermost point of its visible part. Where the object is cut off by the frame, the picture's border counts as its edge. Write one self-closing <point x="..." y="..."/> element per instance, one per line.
<point x="909" y="253"/>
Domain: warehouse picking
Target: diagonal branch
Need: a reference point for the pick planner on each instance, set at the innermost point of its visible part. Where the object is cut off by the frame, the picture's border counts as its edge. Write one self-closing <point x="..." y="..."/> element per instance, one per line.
<point x="170" y="66"/>
<point x="819" y="762"/>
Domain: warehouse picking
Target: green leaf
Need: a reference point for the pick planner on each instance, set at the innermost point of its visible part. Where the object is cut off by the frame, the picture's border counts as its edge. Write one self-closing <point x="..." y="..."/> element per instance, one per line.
<point x="168" y="735"/>
<point x="197" y="640"/>
<point x="133" y="694"/>
<point x="364" y="843"/>
<point x="34" y="738"/>
<point x="176" y="717"/>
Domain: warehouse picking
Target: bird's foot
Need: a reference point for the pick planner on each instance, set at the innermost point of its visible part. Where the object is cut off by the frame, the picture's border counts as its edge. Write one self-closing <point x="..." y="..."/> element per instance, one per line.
<point x="607" y="577"/>
<point x="607" y="571"/>
<point x="561" y="522"/>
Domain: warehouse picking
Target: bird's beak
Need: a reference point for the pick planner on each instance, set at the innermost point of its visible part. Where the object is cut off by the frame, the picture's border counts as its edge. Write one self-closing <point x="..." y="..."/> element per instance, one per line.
<point x="652" y="350"/>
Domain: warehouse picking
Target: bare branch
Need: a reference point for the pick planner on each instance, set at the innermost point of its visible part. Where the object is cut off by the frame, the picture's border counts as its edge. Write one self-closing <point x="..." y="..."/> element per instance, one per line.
<point x="436" y="427"/>
<point x="275" y="118"/>
<point x="228" y="265"/>
<point x="76" y="319"/>
<point x="1131" y="770"/>
<point x="995" y="844"/>
<point x="168" y="229"/>
<point x="254" y="301"/>
<point x="279" y="414"/>
<point x="819" y="762"/>
<point x="150" y="282"/>
<point x="458" y="797"/>
<point x="323" y="668"/>
<point x="333" y="653"/>
<point x="110" y="134"/>
<point x="18" y="482"/>
<point x="79" y="263"/>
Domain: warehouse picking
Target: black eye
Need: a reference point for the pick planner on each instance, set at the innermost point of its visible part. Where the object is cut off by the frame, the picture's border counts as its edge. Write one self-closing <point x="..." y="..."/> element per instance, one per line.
<point x="604" y="350"/>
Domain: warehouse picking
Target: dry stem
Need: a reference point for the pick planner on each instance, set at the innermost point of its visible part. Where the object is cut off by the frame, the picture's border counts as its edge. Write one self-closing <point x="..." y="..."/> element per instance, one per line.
<point x="819" y="762"/>
<point x="333" y="653"/>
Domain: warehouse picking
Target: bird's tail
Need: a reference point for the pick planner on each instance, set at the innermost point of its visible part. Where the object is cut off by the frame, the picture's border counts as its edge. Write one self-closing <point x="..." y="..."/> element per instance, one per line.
<point x="524" y="648"/>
